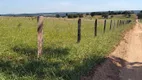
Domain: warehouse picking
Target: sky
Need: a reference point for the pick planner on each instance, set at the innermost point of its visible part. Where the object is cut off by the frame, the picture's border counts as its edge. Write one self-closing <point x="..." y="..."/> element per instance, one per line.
<point x="47" y="6"/>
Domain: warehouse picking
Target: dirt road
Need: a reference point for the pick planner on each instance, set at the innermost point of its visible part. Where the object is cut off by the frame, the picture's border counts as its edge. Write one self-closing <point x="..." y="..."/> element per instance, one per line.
<point x="125" y="63"/>
<point x="133" y="68"/>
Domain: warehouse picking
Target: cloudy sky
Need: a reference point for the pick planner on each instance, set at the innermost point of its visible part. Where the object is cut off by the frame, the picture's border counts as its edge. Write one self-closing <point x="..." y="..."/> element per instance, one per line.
<point x="37" y="6"/>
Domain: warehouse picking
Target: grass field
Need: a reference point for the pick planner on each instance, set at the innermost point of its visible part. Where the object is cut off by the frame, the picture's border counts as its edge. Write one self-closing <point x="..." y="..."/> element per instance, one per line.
<point x="63" y="58"/>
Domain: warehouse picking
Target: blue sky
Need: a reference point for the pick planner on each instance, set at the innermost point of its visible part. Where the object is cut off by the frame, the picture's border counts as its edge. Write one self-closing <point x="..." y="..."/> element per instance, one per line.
<point x="37" y="6"/>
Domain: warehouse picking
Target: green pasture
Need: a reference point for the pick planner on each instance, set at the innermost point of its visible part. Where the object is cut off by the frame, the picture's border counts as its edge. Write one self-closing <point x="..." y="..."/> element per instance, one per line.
<point x="63" y="58"/>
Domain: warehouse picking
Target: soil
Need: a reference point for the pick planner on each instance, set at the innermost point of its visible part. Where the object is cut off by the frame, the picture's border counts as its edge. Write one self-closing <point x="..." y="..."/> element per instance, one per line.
<point x="125" y="62"/>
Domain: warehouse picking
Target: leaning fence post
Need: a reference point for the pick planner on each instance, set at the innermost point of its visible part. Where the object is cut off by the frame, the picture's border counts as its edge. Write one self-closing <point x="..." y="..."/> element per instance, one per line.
<point x="95" y="28"/>
<point x="79" y="31"/>
<point x="110" y="24"/>
<point x="104" y="26"/>
<point x="40" y="34"/>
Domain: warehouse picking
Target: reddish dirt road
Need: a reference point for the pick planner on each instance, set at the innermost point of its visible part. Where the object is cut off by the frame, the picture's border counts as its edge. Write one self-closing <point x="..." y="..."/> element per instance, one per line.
<point x="125" y="63"/>
<point x="133" y="68"/>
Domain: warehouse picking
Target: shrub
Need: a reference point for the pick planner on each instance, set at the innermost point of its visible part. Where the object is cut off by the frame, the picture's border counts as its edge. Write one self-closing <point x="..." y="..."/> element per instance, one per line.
<point x="111" y="16"/>
<point x="80" y="15"/>
<point x="70" y="16"/>
<point x="139" y="15"/>
<point x="93" y="14"/>
<point x="105" y="15"/>
<point x="87" y="14"/>
<point x="74" y="15"/>
<point x="57" y="15"/>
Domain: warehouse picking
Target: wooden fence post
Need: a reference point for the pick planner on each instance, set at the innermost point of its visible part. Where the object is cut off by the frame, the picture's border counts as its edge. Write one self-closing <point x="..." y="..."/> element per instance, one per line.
<point x="114" y="24"/>
<point x="118" y="23"/>
<point x="79" y="31"/>
<point x="104" y="26"/>
<point x="95" y="28"/>
<point x="110" y="24"/>
<point x="123" y="22"/>
<point x="40" y="34"/>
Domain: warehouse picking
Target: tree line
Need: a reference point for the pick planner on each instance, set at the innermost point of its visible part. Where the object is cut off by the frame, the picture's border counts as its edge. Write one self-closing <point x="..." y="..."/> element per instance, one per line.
<point x="71" y="15"/>
<point x="106" y="14"/>
<point x="103" y="14"/>
<point x="139" y="15"/>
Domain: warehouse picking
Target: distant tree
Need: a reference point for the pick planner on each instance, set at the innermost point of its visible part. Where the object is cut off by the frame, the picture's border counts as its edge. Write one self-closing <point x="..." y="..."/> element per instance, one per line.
<point x="66" y="14"/>
<point x="105" y="15"/>
<point x="139" y="15"/>
<point x="87" y="14"/>
<point x="75" y="15"/>
<point x="111" y="16"/>
<point x="127" y="14"/>
<point x="57" y="15"/>
<point x="111" y="12"/>
<point x="80" y="15"/>
<point x="72" y="15"/>
<point x="63" y="16"/>
<point x="99" y="13"/>
<point x="132" y="12"/>
<point x="119" y="12"/>
<point x="92" y="14"/>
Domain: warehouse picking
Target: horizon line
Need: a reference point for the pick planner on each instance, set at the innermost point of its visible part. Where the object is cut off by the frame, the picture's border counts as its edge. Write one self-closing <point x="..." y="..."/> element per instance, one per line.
<point x="66" y="12"/>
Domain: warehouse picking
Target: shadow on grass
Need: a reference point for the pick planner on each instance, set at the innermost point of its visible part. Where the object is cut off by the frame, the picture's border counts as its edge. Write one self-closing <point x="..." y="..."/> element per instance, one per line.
<point x="29" y="51"/>
<point x="46" y="68"/>
<point x="43" y="69"/>
<point x="82" y="69"/>
<point x="38" y="68"/>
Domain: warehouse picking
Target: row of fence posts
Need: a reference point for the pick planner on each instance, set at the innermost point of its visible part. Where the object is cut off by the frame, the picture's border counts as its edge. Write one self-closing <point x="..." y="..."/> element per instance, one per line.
<point x="40" y="20"/>
<point x="119" y="23"/>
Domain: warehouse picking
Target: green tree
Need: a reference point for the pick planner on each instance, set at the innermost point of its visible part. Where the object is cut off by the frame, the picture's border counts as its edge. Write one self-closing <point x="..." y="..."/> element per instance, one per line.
<point x="66" y="14"/>
<point x="139" y="15"/>
<point x="87" y="14"/>
<point x="75" y="15"/>
<point x="80" y="15"/>
<point x="111" y="16"/>
<point x="127" y="13"/>
<point x="92" y="14"/>
<point x="57" y="15"/>
<point x="70" y="16"/>
<point x="105" y="15"/>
